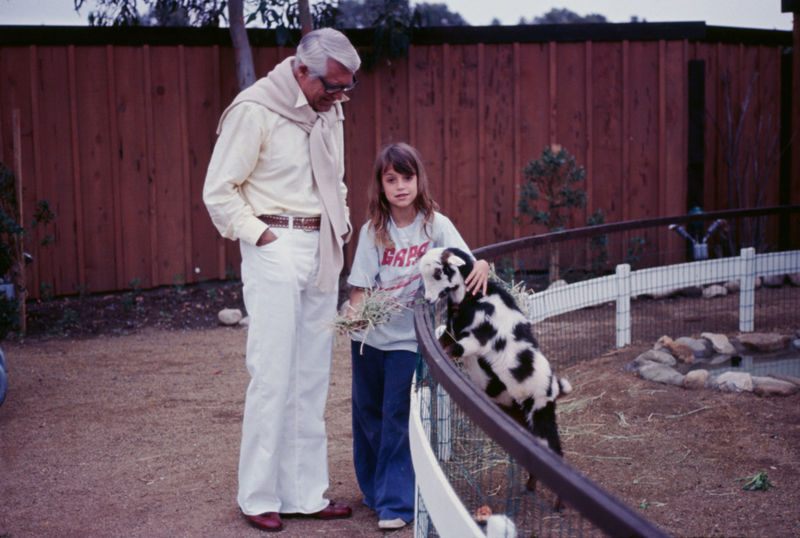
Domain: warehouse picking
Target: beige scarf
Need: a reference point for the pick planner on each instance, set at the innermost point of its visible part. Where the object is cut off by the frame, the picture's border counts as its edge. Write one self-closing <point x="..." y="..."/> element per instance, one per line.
<point x="278" y="92"/>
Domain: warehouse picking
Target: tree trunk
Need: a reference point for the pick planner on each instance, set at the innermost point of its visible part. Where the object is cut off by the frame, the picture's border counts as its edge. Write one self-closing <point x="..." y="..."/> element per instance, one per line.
<point x="245" y="70"/>
<point x="306" y="23"/>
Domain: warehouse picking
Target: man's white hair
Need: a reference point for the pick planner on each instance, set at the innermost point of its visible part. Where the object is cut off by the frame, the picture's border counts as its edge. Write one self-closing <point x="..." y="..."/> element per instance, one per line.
<point x="316" y="47"/>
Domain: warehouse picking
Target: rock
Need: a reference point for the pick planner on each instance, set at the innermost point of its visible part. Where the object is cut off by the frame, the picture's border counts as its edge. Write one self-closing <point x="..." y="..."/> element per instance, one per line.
<point x="733" y="286"/>
<point x="719" y="342"/>
<point x="764" y="342"/>
<point x="556" y="284"/>
<point x="794" y="278"/>
<point x="229" y="316"/>
<point x="691" y="291"/>
<point x="654" y="355"/>
<point x="245" y="321"/>
<point x="701" y="348"/>
<point x="696" y="379"/>
<point x="660" y="373"/>
<point x="732" y="382"/>
<point x="714" y="291"/>
<point x="789" y="378"/>
<point x="664" y="294"/>
<point x="680" y="351"/>
<point x="663" y="342"/>
<point x="774" y="281"/>
<point x="768" y="386"/>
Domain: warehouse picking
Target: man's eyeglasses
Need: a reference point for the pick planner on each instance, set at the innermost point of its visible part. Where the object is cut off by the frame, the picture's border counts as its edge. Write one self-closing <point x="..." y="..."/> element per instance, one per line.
<point x="335" y="89"/>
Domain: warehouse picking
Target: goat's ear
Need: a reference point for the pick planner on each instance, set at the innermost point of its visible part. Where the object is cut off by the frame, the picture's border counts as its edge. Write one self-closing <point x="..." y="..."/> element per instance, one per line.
<point x="452" y="260"/>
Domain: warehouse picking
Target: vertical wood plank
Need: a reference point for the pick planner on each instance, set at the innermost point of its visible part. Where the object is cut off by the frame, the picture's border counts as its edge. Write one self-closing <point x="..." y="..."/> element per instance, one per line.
<point x="130" y="158"/>
<point x="535" y="111"/>
<point x="646" y="166"/>
<point x="427" y="132"/>
<point x="609" y="144"/>
<point x="222" y="262"/>
<point x="464" y="131"/>
<point x="377" y="111"/>
<point x="96" y="164"/>
<point x="676" y="115"/>
<point x="119" y="260"/>
<point x="795" y="149"/>
<point x="171" y="203"/>
<point x="498" y="143"/>
<point x="41" y="272"/>
<point x="191" y="275"/>
<point x="481" y="120"/>
<point x="589" y="115"/>
<point x="393" y="102"/>
<point x="55" y="164"/>
<point x="151" y="167"/>
<point x="201" y="121"/>
<point x="571" y="104"/>
<point x="553" y="70"/>
<point x="361" y="148"/>
<point x="516" y="161"/>
<point x="19" y="177"/>
<point x="626" y="130"/>
<point x="412" y="110"/>
<point x="662" y="127"/>
<point x="447" y="153"/>
<point x="76" y="167"/>
<point x="770" y="66"/>
<point x="676" y="126"/>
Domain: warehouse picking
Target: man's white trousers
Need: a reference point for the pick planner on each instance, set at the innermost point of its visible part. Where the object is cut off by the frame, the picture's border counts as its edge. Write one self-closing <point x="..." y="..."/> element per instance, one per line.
<point x="283" y="463"/>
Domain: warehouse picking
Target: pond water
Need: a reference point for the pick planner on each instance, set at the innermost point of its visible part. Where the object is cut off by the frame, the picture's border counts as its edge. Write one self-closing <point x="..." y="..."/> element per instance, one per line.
<point x="783" y="362"/>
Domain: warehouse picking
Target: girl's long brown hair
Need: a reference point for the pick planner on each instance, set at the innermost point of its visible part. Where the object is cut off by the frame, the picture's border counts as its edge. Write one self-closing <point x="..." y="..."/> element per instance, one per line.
<point x="405" y="160"/>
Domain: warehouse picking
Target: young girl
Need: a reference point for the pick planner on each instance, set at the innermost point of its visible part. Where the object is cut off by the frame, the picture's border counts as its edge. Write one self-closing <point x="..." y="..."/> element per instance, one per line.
<point x="403" y="225"/>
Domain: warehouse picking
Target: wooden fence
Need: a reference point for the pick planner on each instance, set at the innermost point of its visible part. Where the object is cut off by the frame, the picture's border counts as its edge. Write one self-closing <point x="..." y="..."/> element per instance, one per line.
<point x="117" y="127"/>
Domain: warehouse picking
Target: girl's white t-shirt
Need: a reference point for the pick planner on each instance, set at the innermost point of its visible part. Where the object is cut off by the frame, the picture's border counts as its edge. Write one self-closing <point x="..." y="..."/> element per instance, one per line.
<point x="396" y="269"/>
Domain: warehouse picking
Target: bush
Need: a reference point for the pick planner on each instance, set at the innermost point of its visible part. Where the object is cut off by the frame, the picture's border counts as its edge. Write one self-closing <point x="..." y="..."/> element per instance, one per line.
<point x="554" y="175"/>
<point x="13" y="257"/>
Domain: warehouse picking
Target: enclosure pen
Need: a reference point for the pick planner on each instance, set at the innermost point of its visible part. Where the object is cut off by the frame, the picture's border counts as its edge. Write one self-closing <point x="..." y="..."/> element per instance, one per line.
<point x="621" y="283"/>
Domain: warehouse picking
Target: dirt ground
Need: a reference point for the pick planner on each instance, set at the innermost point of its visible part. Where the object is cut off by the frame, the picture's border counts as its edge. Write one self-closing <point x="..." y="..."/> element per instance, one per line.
<point x="678" y="456"/>
<point x="126" y="422"/>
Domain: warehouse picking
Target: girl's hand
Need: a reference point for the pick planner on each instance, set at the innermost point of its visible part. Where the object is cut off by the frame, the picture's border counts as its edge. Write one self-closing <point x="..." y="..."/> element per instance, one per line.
<point x="356" y="298"/>
<point x="478" y="279"/>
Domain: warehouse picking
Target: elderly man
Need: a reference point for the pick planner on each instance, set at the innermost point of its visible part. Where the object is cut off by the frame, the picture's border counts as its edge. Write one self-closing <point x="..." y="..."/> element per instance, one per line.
<point x="275" y="183"/>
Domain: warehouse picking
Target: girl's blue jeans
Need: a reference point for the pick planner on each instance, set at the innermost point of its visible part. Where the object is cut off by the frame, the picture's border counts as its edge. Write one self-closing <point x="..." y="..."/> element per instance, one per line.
<point x="381" y="451"/>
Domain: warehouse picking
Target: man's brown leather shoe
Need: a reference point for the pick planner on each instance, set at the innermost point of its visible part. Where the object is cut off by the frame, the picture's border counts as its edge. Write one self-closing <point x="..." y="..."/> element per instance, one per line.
<point x="268" y="521"/>
<point x="333" y="511"/>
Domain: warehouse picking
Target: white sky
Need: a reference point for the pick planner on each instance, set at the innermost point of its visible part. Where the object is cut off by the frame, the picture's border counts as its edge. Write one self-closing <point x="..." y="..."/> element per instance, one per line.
<point x="738" y="13"/>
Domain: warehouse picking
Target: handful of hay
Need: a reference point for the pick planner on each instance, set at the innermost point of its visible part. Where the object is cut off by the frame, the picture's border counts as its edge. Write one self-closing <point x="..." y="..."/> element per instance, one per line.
<point x="376" y="309"/>
<point x="517" y="290"/>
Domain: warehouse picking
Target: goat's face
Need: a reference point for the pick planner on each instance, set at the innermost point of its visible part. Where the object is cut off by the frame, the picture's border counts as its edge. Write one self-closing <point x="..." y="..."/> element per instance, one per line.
<point x="441" y="271"/>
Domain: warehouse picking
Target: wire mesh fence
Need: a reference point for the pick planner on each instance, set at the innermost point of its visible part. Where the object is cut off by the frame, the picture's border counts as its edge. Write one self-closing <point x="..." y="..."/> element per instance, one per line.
<point x="581" y="255"/>
<point x="486" y="462"/>
<point x="485" y="478"/>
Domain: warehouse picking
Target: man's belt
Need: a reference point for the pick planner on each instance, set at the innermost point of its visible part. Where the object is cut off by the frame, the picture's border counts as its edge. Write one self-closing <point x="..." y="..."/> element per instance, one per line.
<point x="306" y="224"/>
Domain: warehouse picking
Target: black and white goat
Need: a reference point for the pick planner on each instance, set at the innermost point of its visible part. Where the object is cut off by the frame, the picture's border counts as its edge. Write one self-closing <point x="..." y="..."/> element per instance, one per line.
<point x="496" y="345"/>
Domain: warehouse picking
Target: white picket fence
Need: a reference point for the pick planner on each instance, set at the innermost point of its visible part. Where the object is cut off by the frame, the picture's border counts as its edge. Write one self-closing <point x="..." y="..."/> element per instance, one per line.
<point x="624" y="284"/>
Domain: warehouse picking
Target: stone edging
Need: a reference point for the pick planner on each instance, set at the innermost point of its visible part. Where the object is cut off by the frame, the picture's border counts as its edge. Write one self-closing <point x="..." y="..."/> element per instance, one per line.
<point x="657" y="364"/>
